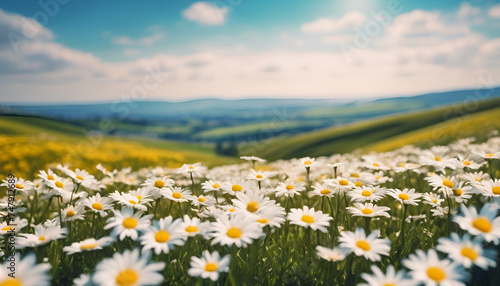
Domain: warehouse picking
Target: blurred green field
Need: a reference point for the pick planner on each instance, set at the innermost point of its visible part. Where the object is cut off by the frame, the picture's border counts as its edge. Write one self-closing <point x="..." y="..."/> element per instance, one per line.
<point x="29" y="144"/>
<point x="420" y="128"/>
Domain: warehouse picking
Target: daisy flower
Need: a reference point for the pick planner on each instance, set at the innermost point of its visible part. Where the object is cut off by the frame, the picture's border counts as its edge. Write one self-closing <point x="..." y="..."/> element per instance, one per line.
<point x="193" y="226"/>
<point x="98" y="204"/>
<point x="407" y="197"/>
<point x="131" y="201"/>
<point x="83" y="178"/>
<point x="488" y="155"/>
<point x="240" y="229"/>
<point x="163" y="236"/>
<point x="71" y="213"/>
<point x="20" y="184"/>
<point x="237" y="185"/>
<point x="156" y="184"/>
<point x="273" y="215"/>
<point x="371" y="247"/>
<point x="308" y="162"/>
<point x="128" y="268"/>
<point x="461" y="194"/>
<point x="340" y="183"/>
<point x="428" y="269"/>
<point x="27" y="272"/>
<point x="306" y="217"/>
<point x="211" y="186"/>
<point x="378" y="278"/>
<point x="203" y="200"/>
<point x="253" y="159"/>
<point x="260" y="175"/>
<point x="367" y="194"/>
<point x="126" y="223"/>
<point x="62" y="186"/>
<point x="209" y="265"/>
<point x="289" y="188"/>
<point x="190" y="168"/>
<point x="485" y="223"/>
<point x="466" y="251"/>
<point x="439" y="211"/>
<point x="42" y="236"/>
<point x="489" y="188"/>
<point x="251" y="201"/>
<point x="14" y="225"/>
<point x="438" y="161"/>
<point x="468" y="163"/>
<point x="177" y="194"/>
<point x="331" y="254"/>
<point x="88" y="245"/>
<point x="47" y="176"/>
<point x="441" y="182"/>
<point x="368" y="210"/>
<point x="432" y="199"/>
<point x="322" y="190"/>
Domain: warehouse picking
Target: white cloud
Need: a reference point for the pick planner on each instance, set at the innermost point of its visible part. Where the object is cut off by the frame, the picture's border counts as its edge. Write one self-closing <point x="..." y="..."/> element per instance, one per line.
<point x="494" y="11"/>
<point x="349" y="21"/>
<point x="44" y="70"/>
<point x="466" y="11"/>
<point x="131" y="52"/>
<point x="206" y="13"/>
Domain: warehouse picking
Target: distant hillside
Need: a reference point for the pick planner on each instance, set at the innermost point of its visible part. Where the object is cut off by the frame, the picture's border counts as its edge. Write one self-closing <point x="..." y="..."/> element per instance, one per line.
<point x="228" y="121"/>
<point x="475" y="119"/>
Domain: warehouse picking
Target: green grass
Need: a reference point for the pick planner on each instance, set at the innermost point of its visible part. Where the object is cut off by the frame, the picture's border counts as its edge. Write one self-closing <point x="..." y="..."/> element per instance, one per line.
<point x="358" y="135"/>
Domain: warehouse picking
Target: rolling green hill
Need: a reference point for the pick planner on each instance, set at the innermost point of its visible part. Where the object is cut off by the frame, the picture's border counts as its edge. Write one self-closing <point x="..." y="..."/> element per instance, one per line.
<point x="459" y="120"/>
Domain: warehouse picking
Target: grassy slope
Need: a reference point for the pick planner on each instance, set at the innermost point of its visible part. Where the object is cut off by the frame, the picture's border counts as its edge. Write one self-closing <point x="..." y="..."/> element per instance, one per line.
<point x="51" y="130"/>
<point x="357" y="135"/>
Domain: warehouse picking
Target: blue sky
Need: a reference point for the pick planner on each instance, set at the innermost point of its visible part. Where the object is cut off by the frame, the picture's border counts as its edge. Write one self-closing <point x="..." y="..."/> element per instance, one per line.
<point x="104" y="50"/>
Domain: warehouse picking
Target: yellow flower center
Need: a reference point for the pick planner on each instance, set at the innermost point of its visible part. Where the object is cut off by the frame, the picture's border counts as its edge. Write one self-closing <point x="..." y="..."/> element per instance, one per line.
<point x="9" y="227"/>
<point x="459" y="192"/>
<point x="437" y="158"/>
<point x="355" y="175"/>
<point x="307" y="219"/>
<point x="263" y="220"/>
<point x="489" y="155"/>
<point x="202" y="199"/>
<point x="159" y="184"/>
<point x="307" y="163"/>
<point x="127" y="277"/>
<point x="436" y="274"/>
<point x="19" y="186"/>
<point x="88" y="246"/>
<point x="366" y="193"/>
<point x="139" y="197"/>
<point x="236" y="188"/>
<point x="191" y="168"/>
<point x="389" y="284"/>
<point x="79" y="178"/>
<point x="130" y="223"/>
<point x="496" y="190"/>
<point x="70" y="213"/>
<point x="162" y="236"/>
<point x="466" y="162"/>
<point x="376" y="165"/>
<point x="211" y="267"/>
<point x="469" y="253"/>
<point x="253" y="207"/>
<point x="343" y="182"/>
<point x="232" y="210"/>
<point x="290" y="187"/>
<point x="259" y="176"/>
<point x="177" y="195"/>
<point x="97" y="206"/>
<point x="377" y="178"/>
<point x="448" y="183"/>
<point x="367" y="211"/>
<point x="234" y="232"/>
<point x="41" y="238"/>
<point x="482" y="224"/>
<point x="358" y="184"/>
<point x="50" y="177"/>
<point x="363" y="244"/>
<point x="9" y="281"/>
<point x="191" y="229"/>
<point x="478" y="179"/>
<point x="215" y="186"/>
<point x="404" y="196"/>
<point x="59" y="184"/>
<point x="325" y="192"/>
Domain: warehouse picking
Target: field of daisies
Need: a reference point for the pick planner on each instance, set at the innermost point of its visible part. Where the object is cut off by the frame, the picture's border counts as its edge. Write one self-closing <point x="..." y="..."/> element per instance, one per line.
<point x="405" y="217"/>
